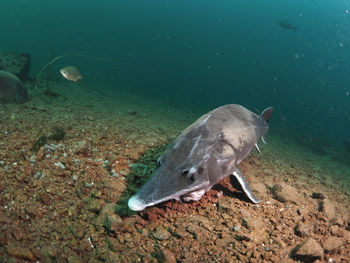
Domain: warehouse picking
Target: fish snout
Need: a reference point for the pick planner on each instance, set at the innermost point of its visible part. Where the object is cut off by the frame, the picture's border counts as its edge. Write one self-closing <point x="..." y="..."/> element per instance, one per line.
<point x="136" y="204"/>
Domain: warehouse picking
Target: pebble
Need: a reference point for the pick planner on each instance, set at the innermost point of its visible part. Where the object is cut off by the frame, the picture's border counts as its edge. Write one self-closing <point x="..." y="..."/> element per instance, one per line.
<point x="161" y="234"/>
<point x="303" y="230"/>
<point x="332" y="244"/>
<point x="327" y="208"/>
<point x="236" y="228"/>
<point x="95" y="205"/>
<point x="86" y="244"/>
<point x="89" y="185"/>
<point x="286" y="193"/>
<point x="20" y="252"/>
<point x="60" y="165"/>
<point x="318" y="196"/>
<point x="169" y="256"/>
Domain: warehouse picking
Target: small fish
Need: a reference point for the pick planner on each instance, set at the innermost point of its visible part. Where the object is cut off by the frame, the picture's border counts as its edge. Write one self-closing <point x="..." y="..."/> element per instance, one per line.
<point x="71" y="73"/>
<point x="286" y="25"/>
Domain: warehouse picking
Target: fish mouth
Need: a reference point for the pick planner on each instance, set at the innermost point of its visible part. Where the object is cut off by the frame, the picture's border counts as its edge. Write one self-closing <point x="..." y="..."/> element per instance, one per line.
<point x="137" y="203"/>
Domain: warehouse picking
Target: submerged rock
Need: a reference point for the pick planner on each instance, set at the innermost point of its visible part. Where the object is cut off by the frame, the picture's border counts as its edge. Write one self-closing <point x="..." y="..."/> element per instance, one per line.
<point x="332" y="244"/>
<point x="327" y="208"/>
<point x="161" y="234"/>
<point x="286" y="193"/>
<point x="11" y="89"/>
<point x="16" y="63"/>
<point x="168" y="256"/>
<point x="303" y="230"/>
<point x="308" y="251"/>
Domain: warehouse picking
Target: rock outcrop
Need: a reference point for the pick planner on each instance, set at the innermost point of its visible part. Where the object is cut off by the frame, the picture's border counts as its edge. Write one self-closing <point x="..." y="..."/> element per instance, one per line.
<point x="16" y="63"/>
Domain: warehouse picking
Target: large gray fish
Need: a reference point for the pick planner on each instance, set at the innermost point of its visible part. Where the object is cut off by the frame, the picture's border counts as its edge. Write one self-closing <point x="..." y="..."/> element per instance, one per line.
<point x="12" y="89"/>
<point x="203" y="154"/>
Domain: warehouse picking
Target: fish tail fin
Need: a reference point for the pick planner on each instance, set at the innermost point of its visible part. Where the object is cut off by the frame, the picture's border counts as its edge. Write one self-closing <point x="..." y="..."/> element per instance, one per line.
<point x="267" y="113"/>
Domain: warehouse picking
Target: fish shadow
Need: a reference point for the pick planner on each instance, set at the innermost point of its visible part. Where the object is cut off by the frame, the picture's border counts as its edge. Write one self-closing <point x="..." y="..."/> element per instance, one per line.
<point x="224" y="188"/>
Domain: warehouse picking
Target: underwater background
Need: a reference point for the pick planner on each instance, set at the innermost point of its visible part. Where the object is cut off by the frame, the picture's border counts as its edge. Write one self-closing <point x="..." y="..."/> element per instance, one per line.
<point x="72" y="152"/>
<point x="203" y="54"/>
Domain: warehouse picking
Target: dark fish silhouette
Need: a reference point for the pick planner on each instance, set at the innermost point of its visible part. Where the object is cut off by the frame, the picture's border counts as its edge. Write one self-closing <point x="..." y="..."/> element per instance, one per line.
<point x="286" y="25"/>
<point x="203" y="154"/>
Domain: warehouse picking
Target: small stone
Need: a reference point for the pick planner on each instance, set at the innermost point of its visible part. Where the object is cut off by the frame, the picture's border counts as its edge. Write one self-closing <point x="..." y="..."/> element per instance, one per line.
<point x="335" y="230"/>
<point x="303" y="230"/>
<point x="82" y="147"/>
<point x="327" y="208"/>
<point x="95" y="205"/>
<point x="308" y="251"/>
<point x="332" y="244"/>
<point x="37" y="175"/>
<point x="237" y="228"/>
<point x="40" y="154"/>
<point x="161" y="234"/>
<point x="346" y="236"/>
<point x="338" y="221"/>
<point x="66" y="173"/>
<point x="168" y="256"/>
<point x="20" y="252"/>
<point x="286" y="193"/>
<point x="45" y="198"/>
<point x="86" y="244"/>
<point x="28" y="169"/>
<point x="318" y="196"/>
<point x="114" y="244"/>
<point x="89" y="185"/>
<point x="17" y="233"/>
<point x="106" y="214"/>
<point x="75" y="259"/>
<point x="116" y="223"/>
<point x="260" y="190"/>
<point x="256" y="227"/>
<point x="225" y="205"/>
<point x="77" y="231"/>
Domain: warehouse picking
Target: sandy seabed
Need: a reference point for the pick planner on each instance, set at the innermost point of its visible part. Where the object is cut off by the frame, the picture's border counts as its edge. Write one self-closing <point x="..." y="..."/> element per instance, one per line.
<point x="54" y="204"/>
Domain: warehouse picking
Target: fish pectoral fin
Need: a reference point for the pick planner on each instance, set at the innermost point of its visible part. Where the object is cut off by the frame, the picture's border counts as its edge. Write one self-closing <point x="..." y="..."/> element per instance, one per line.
<point x="237" y="173"/>
<point x="257" y="148"/>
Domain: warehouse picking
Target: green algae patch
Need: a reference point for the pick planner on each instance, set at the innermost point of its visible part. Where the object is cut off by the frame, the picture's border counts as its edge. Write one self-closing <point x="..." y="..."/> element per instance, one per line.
<point x="40" y="142"/>
<point x="57" y="135"/>
<point x="139" y="173"/>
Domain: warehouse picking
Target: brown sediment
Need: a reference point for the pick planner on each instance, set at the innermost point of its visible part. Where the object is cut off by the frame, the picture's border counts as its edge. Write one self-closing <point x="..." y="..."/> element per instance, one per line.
<point x="58" y="204"/>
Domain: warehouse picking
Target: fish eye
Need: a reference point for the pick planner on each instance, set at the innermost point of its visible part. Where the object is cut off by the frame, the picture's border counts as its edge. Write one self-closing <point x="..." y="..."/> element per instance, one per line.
<point x="185" y="172"/>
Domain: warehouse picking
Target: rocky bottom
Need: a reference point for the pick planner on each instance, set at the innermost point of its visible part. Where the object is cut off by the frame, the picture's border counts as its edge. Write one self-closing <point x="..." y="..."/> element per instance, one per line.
<point x="59" y="204"/>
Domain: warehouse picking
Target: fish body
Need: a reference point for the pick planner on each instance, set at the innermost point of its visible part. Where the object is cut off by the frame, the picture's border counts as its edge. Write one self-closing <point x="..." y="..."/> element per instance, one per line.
<point x="286" y="25"/>
<point x="71" y="73"/>
<point x="12" y="89"/>
<point x="204" y="153"/>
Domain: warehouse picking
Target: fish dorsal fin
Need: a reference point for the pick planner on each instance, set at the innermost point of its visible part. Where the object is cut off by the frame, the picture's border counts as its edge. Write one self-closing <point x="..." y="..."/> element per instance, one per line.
<point x="266" y="114"/>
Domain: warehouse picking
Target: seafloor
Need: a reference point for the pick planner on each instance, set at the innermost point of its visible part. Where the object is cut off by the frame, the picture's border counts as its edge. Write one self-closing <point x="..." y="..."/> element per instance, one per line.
<point x="59" y="204"/>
